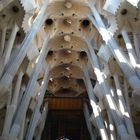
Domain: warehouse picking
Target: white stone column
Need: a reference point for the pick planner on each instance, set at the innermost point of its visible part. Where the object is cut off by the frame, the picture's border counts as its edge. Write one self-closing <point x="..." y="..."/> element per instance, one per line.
<point x="129" y="47"/>
<point x="36" y="113"/>
<point x="21" y="134"/>
<point x="112" y="132"/>
<point x="27" y="121"/>
<point x="131" y="52"/>
<point x="17" y="88"/>
<point x="125" y="66"/>
<point x="21" y="110"/>
<point x="9" y="95"/>
<point x="123" y="108"/>
<point x="105" y="89"/>
<point x="42" y="123"/>
<point x="33" y="123"/>
<point x="11" y="108"/>
<point x="22" y="90"/>
<point x="126" y="94"/>
<point x="8" y="117"/>
<point x="96" y="113"/>
<point x="7" y="51"/>
<point x="17" y="60"/>
<point x="89" y="126"/>
<point x="8" y="48"/>
<point x="136" y="45"/>
<point x="114" y="95"/>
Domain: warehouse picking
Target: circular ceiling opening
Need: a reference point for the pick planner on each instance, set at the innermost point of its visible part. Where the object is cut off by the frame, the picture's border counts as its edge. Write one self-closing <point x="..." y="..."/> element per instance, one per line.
<point x="49" y="22"/>
<point x="85" y="23"/>
<point x="15" y="9"/>
<point x="83" y="54"/>
<point x="124" y="11"/>
<point x="50" y="53"/>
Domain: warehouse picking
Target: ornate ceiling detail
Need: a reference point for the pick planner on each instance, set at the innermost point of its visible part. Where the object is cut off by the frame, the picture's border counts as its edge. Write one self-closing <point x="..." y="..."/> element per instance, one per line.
<point x="70" y="54"/>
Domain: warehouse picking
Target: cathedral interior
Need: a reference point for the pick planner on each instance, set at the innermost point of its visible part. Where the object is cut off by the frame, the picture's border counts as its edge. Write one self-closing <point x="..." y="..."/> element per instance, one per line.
<point x="69" y="69"/>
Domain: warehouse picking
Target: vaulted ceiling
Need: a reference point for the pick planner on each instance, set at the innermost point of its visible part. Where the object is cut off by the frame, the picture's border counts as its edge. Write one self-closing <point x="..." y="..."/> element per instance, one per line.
<point x="70" y="55"/>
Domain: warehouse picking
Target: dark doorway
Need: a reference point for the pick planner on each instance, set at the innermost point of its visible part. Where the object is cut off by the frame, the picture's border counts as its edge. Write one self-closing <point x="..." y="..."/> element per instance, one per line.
<point x="68" y="124"/>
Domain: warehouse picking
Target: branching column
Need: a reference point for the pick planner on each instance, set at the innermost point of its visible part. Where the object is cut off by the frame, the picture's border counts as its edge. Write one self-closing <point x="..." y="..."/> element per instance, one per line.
<point x="105" y="90"/>
<point x="131" y="52"/>
<point x="123" y="108"/>
<point x="21" y="110"/>
<point x="7" y="51"/>
<point x="12" y="107"/>
<point x="127" y="69"/>
<point x="96" y="113"/>
<point x="36" y="113"/>
<point x="17" y="60"/>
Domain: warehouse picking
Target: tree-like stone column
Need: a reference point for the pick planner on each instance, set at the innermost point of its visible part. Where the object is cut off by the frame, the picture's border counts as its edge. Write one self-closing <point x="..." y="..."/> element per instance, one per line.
<point x="125" y="66"/>
<point x="11" y="108"/>
<point x="123" y="108"/>
<point x="131" y="52"/>
<point x="36" y="113"/>
<point x="21" y="53"/>
<point x="7" y="51"/>
<point x="22" y="109"/>
<point x="96" y="113"/>
<point x="111" y="126"/>
<point x="105" y="90"/>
